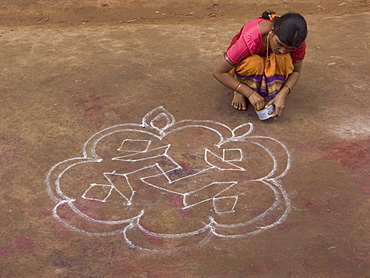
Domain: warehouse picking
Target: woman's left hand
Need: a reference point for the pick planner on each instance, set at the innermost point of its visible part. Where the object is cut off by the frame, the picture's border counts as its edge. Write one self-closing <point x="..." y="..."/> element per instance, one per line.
<point x="279" y="99"/>
<point x="279" y="102"/>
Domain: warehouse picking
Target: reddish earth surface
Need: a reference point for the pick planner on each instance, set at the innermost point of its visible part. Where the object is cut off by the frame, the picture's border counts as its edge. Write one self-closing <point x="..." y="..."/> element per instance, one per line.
<point x="120" y="155"/>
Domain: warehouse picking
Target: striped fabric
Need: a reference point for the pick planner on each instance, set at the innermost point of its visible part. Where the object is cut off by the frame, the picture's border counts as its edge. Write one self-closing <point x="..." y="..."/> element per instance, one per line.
<point x="266" y="77"/>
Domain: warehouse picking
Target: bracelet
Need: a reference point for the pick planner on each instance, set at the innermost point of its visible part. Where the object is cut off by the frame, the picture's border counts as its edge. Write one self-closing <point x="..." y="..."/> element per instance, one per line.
<point x="250" y="94"/>
<point x="290" y="89"/>
<point x="237" y="88"/>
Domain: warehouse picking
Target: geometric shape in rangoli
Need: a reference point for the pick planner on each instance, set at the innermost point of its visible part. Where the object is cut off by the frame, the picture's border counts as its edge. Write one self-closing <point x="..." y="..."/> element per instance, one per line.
<point x="225" y="204"/>
<point x="206" y="193"/>
<point x="132" y="145"/>
<point x="232" y="155"/>
<point x="220" y="163"/>
<point x="98" y="192"/>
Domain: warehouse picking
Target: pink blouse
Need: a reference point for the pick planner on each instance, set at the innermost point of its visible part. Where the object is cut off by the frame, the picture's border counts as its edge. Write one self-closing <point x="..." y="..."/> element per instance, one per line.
<point x="249" y="41"/>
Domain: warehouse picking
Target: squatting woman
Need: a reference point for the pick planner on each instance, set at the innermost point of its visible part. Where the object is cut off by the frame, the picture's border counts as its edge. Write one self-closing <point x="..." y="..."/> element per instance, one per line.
<point x="263" y="62"/>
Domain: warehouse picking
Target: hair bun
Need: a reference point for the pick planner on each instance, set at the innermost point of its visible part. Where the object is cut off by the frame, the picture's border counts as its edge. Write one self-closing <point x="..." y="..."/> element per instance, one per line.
<point x="268" y="15"/>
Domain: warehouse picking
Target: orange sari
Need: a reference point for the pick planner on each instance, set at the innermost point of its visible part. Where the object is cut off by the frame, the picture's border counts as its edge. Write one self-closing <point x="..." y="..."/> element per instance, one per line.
<point x="265" y="76"/>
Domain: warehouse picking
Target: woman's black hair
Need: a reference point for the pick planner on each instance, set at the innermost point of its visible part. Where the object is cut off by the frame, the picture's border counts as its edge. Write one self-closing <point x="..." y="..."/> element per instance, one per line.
<point x="267" y="14"/>
<point x="291" y="28"/>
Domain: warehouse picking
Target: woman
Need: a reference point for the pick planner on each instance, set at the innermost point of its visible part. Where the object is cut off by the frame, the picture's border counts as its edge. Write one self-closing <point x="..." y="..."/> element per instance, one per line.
<point x="264" y="60"/>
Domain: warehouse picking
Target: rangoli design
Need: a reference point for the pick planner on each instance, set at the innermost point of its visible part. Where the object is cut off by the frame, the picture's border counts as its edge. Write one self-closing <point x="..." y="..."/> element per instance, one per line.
<point x="166" y="184"/>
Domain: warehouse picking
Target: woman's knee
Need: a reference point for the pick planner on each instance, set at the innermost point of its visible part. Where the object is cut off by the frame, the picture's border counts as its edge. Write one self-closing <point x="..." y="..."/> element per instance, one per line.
<point x="251" y="65"/>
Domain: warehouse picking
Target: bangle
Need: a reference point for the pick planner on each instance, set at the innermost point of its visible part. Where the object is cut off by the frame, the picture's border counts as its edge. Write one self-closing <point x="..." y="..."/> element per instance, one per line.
<point x="290" y="89"/>
<point x="237" y="88"/>
<point x="250" y="94"/>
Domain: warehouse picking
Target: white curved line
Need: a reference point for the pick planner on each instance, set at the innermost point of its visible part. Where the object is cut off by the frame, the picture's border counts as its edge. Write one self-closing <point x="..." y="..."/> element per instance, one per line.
<point x="181" y="235"/>
<point x="136" y="247"/>
<point x="273" y="159"/>
<point x="286" y="152"/>
<point x="56" y="216"/>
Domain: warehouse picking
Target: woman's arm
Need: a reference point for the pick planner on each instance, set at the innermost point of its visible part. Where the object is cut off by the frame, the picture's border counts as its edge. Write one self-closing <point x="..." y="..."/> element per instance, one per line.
<point x="221" y="73"/>
<point x="279" y="99"/>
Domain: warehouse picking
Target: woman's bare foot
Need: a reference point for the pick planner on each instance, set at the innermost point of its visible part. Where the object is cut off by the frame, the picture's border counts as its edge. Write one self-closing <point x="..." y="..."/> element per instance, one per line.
<point x="239" y="102"/>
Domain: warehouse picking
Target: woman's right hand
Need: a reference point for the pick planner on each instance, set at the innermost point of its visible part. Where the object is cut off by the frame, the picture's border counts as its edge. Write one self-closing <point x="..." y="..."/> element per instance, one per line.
<point x="256" y="100"/>
<point x="222" y="73"/>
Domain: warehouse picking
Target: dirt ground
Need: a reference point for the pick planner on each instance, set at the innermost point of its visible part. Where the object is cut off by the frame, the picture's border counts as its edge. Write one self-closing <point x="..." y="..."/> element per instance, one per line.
<point x="120" y="155"/>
